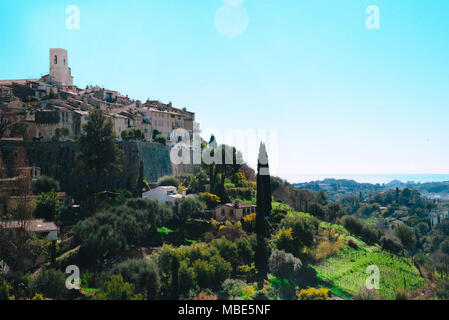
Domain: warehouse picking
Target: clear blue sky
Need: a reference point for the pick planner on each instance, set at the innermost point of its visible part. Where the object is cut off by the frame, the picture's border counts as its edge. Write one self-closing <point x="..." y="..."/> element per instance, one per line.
<point x="345" y="99"/>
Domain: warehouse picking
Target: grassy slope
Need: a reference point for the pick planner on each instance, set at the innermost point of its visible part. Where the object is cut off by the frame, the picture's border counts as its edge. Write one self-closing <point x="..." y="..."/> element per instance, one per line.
<point x="346" y="271"/>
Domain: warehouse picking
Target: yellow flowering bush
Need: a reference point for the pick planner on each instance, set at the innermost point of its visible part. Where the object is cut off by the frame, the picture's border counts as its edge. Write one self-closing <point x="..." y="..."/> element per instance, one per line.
<point x="314" y="294"/>
<point x="249" y="291"/>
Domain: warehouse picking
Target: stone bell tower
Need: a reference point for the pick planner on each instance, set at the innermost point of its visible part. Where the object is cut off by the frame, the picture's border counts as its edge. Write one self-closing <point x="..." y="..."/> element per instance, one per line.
<point x="59" y="67"/>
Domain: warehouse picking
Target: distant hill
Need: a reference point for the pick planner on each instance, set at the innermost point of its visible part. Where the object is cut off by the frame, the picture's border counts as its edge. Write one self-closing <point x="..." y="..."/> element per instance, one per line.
<point x="338" y="188"/>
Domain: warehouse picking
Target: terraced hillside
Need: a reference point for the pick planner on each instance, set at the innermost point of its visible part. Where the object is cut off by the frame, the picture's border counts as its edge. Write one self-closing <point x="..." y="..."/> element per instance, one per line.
<point x="346" y="271"/>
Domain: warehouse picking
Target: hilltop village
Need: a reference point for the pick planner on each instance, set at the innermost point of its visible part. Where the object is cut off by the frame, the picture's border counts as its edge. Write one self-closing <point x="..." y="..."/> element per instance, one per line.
<point x="53" y="101"/>
<point x="87" y="186"/>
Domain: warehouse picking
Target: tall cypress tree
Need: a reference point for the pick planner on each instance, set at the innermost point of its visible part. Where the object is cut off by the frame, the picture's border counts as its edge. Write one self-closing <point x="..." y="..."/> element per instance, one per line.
<point x="263" y="211"/>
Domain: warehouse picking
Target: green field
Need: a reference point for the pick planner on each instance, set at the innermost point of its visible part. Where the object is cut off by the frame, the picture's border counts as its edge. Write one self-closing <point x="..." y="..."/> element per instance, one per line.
<point x="345" y="272"/>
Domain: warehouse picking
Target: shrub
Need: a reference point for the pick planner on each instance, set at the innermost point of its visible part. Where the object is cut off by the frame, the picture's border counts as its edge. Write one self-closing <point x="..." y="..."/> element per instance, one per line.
<point x="248" y="291"/>
<point x="367" y="294"/>
<point x="48" y="206"/>
<point x="369" y="234"/>
<point x="327" y="248"/>
<point x="401" y="294"/>
<point x="391" y="244"/>
<point x="205" y="273"/>
<point x="443" y="290"/>
<point x="5" y="289"/>
<point x="233" y="287"/>
<point x="40" y="297"/>
<point x="284" y="240"/>
<point x="303" y="230"/>
<point x="239" y="193"/>
<point x="142" y="274"/>
<point x="249" y="222"/>
<point x="249" y="271"/>
<point x="46" y="184"/>
<point x="209" y="266"/>
<point x="114" y="230"/>
<point x="353" y="225"/>
<point x="168" y="181"/>
<point x="231" y="231"/>
<point x="160" y="138"/>
<point x="406" y="235"/>
<point x="186" y="278"/>
<point x="115" y="288"/>
<point x="205" y="296"/>
<point x="314" y="294"/>
<point x="444" y="246"/>
<point x="133" y="134"/>
<point x="353" y="244"/>
<point x="284" y="265"/>
<point x="50" y="283"/>
<point x="211" y="200"/>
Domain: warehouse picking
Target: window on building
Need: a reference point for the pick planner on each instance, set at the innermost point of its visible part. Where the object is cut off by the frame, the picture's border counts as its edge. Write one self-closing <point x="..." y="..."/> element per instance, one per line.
<point x="56" y="59"/>
<point x="223" y="212"/>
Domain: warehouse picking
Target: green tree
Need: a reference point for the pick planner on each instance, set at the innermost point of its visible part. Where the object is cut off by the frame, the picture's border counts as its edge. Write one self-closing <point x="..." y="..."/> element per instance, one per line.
<point x="263" y="212"/>
<point x="168" y="181"/>
<point x="99" y="154"/>
<point x="113" y="230"/>
<point x="46" y="184"/>
<point x="5" y="289"/>
<point x="301" y="230"/>
<point x="155" y="133"/>
<point x="48" y="206"/>
<point x="334" y="211"/>
<point x="115" y="288"/>
<point x="406" y="235"/>
<point x="50" y="283"/>
<point x="205" y="273"/>
<point x="443" y="290"/>
<point x="211" y="200"/>
<point x="225" y="162"/>
<point x="317" y="210"/>
<point x="321" y="198"/>
<point x="284" y="265"/>
<point x="233" y="287"/>
<point x="133" y="134"/>
<point x="185" y="209"/>
<point x="445" y="246"/>
<point x="186" y="277"/>
<point x="160" y="138"/>
<point x="142" y="274"/>
<point x="391" y="244"/>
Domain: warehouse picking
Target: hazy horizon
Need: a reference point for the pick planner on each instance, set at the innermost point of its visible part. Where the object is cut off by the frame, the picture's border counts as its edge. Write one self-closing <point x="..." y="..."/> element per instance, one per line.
<point x="369" y="178"/>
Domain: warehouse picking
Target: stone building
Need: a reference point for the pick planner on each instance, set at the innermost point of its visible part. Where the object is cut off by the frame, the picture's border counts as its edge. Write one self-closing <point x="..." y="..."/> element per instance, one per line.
<point x="234" y="211"/>
<point x="59" y="67"/>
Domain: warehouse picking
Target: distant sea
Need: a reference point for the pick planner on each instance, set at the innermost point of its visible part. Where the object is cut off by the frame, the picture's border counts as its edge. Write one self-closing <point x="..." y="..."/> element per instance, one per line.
<point x="371" y="178"/>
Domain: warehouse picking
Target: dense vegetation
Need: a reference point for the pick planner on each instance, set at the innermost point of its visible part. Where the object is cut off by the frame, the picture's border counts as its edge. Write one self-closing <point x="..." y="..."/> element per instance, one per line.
<point x="299" y="244"/>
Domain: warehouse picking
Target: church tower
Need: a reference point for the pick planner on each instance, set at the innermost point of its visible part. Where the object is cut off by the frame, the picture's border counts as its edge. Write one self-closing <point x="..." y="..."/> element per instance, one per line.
<point x="59" y="67"/>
